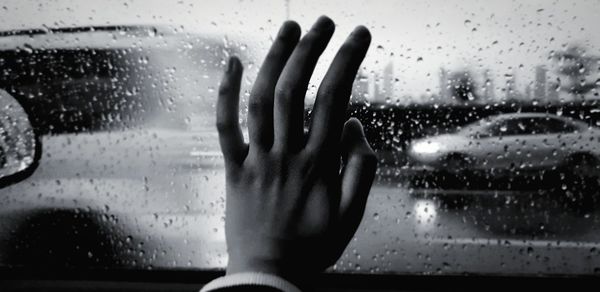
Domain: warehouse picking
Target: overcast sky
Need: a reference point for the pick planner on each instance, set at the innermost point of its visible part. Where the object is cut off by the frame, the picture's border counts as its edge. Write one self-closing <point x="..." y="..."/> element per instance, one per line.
<point x="418" y="37"/>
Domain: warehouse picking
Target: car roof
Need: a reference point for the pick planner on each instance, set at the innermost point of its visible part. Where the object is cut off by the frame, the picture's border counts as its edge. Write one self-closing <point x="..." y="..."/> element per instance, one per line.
<point x="84" y="29"/>
<point x="101" y="37"/>
<point x="525" y="115"/>
<point x="113" y="37"/>
<point x="572" y="121"/>
<point x="509" y="116"/>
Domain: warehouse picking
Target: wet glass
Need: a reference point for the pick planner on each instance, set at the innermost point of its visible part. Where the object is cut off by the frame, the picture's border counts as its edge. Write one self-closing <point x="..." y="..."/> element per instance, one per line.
<point x="483" y="114"/>
<point x="17" y="139"/>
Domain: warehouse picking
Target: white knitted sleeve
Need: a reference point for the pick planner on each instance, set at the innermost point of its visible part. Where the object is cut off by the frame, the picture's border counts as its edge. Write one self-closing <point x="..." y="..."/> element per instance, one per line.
<point x="249" y="279"/>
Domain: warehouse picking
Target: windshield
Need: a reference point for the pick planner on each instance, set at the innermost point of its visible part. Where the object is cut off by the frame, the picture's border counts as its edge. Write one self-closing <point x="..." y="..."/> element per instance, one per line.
<point x="124" y="93"/>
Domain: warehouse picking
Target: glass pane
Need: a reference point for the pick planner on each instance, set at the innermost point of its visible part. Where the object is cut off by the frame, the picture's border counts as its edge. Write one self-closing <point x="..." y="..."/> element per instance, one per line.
<point x="483" y="114"/>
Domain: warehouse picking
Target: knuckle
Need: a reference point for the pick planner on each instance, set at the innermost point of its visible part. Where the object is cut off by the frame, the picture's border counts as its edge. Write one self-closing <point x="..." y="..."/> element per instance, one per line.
<point x="224" y="88"/>
<point x="277" y="53"/>
<point x="286" y="92"/>
<point x="279" y="153"/>
<point x="333" y="89"/>
<point x="316" y="151"/>
<point x="327" y="93"/>
<point x="369" y="158"/>
<point x="309" y="40"/>
<point x="363" y="155"/>
<point x="225" y="126"/>
<point x="309" y="162"/>
<point x="311" y="157"/>
<point x="349" y="48"/>
<point x="255" y="106"/>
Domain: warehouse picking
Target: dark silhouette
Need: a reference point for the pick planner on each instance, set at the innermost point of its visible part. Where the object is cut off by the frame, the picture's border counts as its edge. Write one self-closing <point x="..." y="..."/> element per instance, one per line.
<point x="294" y="200"/>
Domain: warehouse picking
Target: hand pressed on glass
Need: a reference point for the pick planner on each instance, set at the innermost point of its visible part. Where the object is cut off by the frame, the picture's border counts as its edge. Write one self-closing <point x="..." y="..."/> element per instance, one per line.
<point x="294" y="200"/>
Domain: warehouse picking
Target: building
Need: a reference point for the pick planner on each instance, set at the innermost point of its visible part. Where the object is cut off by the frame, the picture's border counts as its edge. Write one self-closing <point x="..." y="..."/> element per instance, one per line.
<point x="444" y="90"/>
<point x="539" y="84"/>
<point x="388" y="82"/>
<point x="488" y="93"/>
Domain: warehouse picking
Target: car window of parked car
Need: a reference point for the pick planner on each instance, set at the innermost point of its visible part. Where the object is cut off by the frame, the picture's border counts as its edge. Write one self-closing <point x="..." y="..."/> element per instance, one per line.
<point x="538" y="126"/>
<point x="501" y="127"/>
<point x="529" y="126"/>
<point x="131" y="175"/>
<point x="551" y="125"/>
<point x="523" y="126"/>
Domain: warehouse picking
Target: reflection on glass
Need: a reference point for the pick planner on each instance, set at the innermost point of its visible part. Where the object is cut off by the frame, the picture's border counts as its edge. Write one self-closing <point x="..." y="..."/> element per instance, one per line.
<point x="425" y="216"/>
<point x="17" y="139"/>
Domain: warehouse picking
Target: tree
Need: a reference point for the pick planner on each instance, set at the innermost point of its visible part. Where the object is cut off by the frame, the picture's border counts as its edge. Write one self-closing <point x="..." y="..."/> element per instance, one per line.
<point x="462" y="86"/>
<point x="574" y="69"/>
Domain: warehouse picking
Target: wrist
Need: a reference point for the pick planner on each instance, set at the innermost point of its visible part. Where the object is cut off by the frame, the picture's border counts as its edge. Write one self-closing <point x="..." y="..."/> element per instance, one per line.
<point x="294" y="273"/>
<point x="250" y="280"/>
<point x="254" y="265"/>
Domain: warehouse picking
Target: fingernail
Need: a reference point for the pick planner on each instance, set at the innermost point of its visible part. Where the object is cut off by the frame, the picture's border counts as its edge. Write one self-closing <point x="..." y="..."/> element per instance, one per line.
<point x="287" y="29"/>
<point x="358" y="126"/>
<point x="230" y="65"/>
<point x="323" y="23"/>
<point x="361" y="33"/>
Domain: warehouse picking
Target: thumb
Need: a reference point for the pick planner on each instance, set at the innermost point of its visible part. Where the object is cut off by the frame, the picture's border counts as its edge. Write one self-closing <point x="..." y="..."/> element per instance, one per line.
<point x="230" y="134"/>
<point x="360" y="164"/>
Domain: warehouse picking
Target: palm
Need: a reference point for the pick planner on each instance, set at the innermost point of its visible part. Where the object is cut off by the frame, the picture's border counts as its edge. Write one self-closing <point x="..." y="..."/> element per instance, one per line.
<point x="289" y="206"/>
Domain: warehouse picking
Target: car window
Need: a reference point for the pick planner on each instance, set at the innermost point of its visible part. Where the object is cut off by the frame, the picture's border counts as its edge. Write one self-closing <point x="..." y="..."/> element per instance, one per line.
<point x="132" y="177"/>
<point x="530" y="126"/>
<point x="558" y="126"/>
<point x="500" y="127"/>
<point x="526" y="126"/>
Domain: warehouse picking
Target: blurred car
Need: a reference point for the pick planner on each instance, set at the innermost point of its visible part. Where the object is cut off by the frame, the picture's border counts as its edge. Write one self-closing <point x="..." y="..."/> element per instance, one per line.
<point x="102" y="77"/>
<point x="125" y="115"/>
<point x="515" y="143"/>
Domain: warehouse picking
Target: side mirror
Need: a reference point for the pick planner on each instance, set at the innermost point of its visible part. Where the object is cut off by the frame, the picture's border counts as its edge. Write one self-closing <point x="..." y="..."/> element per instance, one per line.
<point x="20" y="148"/>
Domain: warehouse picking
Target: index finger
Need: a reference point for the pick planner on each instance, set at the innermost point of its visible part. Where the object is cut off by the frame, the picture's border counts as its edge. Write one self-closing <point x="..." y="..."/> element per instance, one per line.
<point x="333" y="95"/>
<point x="230" y="134"/>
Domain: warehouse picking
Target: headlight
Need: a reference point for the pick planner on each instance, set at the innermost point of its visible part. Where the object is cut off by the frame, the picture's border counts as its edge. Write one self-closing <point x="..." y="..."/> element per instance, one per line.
<point x="426" y="147"/>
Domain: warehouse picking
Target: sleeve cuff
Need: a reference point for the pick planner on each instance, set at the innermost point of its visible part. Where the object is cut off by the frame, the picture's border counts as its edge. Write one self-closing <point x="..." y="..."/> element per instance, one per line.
<point x="250" y="279"/>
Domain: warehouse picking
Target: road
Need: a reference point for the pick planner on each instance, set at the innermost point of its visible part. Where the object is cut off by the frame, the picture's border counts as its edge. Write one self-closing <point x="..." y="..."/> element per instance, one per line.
<point x="161" y="192"/>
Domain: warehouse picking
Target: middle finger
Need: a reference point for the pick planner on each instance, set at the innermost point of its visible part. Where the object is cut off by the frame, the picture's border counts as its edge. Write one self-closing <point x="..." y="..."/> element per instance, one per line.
<point x="288" y="116"/>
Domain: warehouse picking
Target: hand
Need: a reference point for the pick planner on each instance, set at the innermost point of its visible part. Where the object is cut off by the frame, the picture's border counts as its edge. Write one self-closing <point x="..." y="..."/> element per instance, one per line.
<point x="294" y="200"/>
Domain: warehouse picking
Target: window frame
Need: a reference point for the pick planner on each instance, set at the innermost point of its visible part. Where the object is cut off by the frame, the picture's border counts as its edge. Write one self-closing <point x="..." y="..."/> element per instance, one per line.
<point x="193" y="280"/>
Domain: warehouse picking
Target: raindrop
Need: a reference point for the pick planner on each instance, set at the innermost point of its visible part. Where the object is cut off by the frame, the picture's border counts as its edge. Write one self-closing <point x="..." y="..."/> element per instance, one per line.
<point x="28" y="48"/>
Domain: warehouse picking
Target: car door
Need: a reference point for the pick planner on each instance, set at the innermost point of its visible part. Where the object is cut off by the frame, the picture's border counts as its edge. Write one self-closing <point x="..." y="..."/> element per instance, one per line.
<point x="540" y="142"/>
<point x="565" y="138"/>
<point x="535" y="143"/>
<point x="496" y="142"/>
<point x="520" y="143"/>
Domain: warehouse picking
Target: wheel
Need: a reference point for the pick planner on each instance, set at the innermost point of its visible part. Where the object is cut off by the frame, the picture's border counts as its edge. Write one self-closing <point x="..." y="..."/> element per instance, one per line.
<point x="582" y="181"/>
<point x="456" y="170"/>
<point x="582" y="165"/>
<point x="457" y="202"/>
<point x="456" y="163"/>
